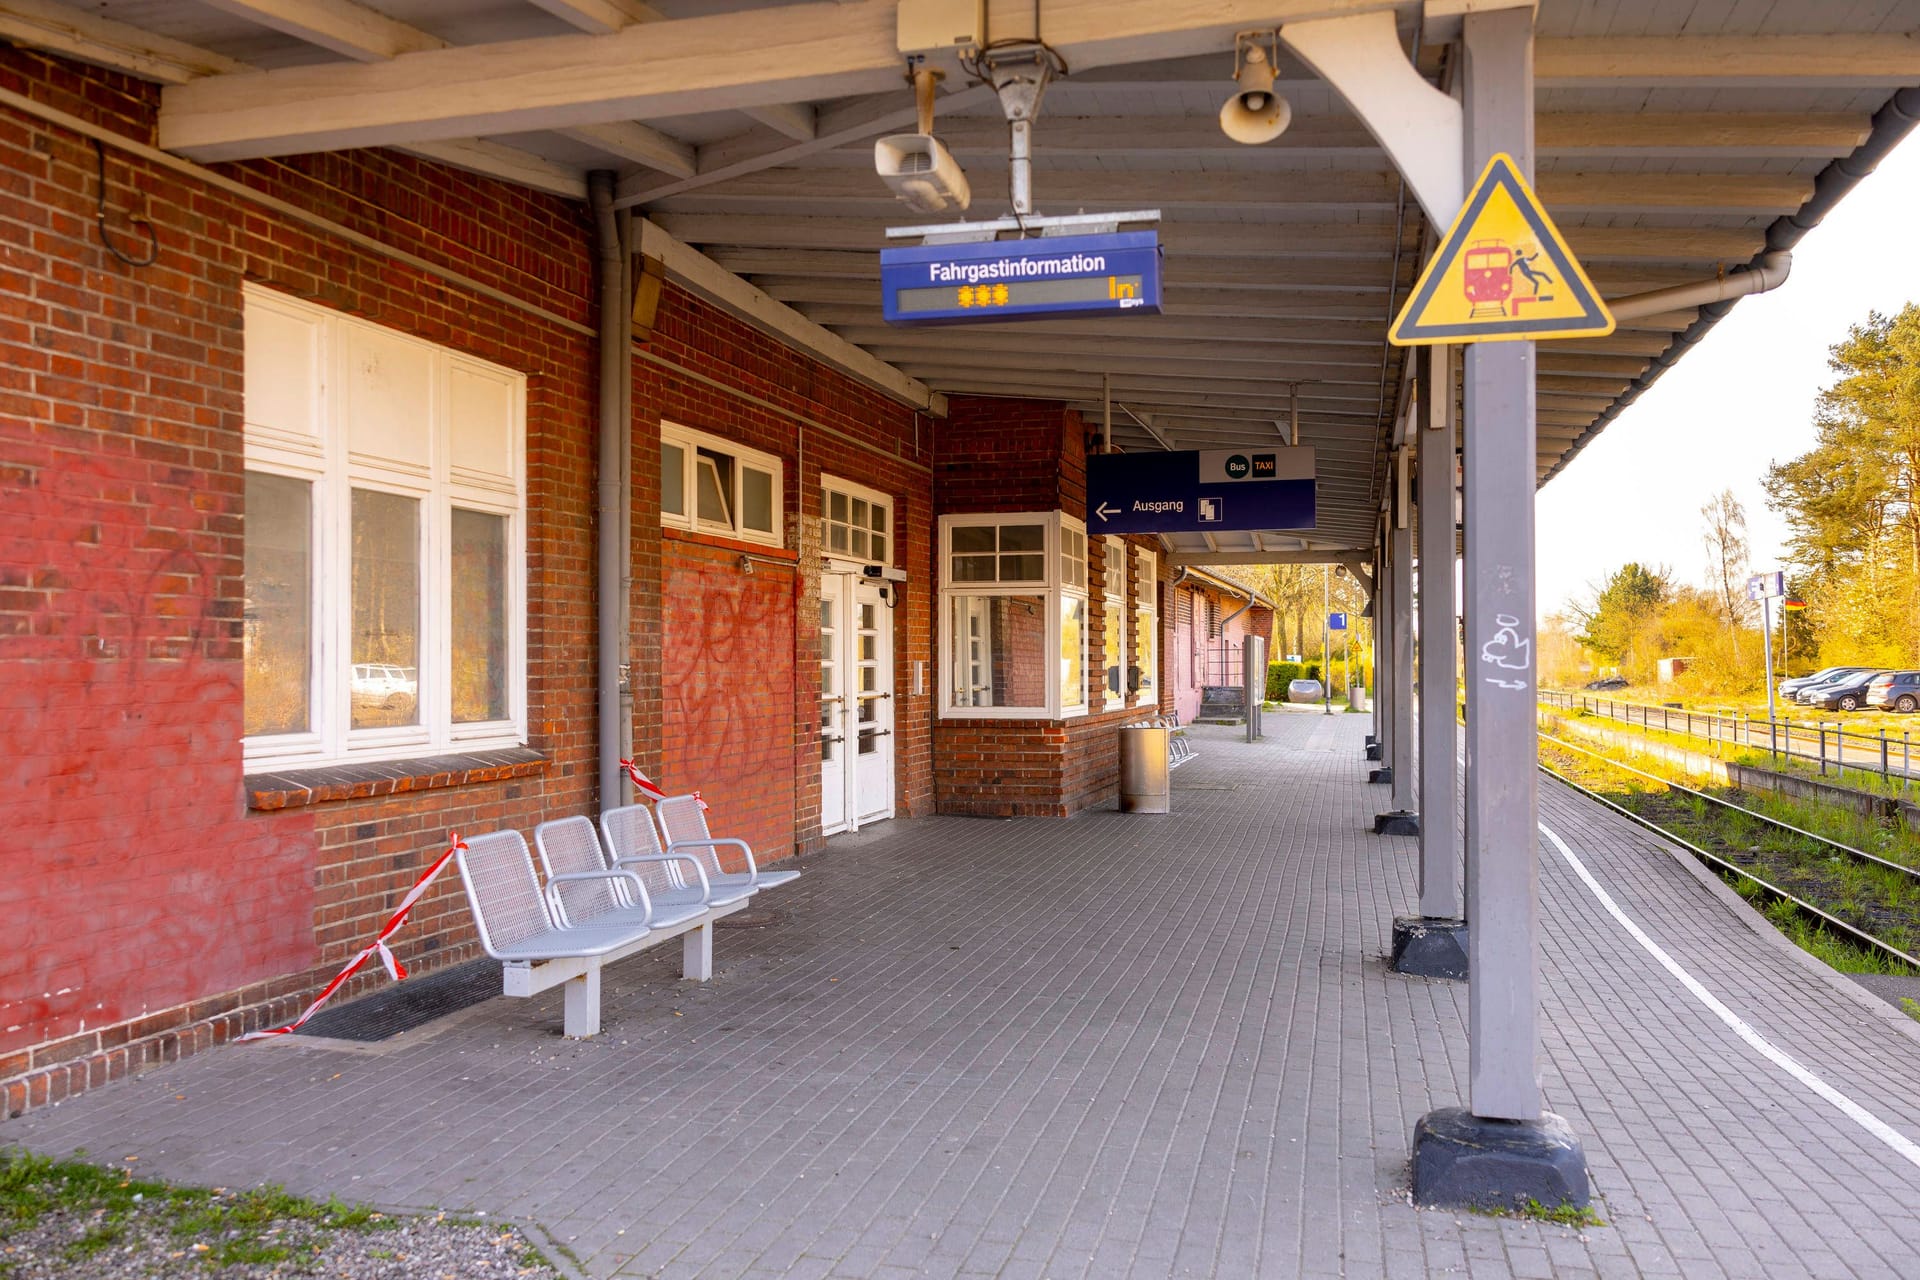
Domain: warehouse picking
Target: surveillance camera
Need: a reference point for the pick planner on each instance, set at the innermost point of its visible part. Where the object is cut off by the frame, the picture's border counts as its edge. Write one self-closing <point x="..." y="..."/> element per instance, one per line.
<point x="922" y="172"/>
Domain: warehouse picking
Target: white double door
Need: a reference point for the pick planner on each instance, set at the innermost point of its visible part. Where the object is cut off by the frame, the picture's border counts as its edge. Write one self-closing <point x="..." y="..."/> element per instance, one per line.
<point x="856" y="703"/>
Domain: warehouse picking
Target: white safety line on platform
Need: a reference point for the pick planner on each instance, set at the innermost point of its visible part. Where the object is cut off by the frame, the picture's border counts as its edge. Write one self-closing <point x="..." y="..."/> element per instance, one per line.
<point x="1901" y="1144"/>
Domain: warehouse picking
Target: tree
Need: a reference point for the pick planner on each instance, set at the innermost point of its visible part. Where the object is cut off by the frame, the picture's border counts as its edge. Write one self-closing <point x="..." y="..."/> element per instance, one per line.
<point x="1726" y="540"/>
<point x="1611" y="625"/>
<point x="1852" y="502"/>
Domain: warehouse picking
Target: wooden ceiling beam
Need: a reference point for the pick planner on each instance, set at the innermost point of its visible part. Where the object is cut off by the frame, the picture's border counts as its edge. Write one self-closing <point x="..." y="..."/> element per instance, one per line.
<point x="102" y="42"/>
<point x="340" y="26"/>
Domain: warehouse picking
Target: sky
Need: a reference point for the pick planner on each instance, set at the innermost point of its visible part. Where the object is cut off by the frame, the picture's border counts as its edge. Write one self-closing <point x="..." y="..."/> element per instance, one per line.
<point x="1742" y="398"/>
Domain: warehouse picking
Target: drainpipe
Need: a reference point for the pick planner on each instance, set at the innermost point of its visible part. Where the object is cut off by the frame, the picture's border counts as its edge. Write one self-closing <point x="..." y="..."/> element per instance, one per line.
<point x="615" y="491"/>
<point x="1769" y="271"/>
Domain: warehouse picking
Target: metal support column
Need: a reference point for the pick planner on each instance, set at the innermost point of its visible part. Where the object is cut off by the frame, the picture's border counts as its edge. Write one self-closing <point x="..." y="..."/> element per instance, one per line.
<point x="1377" y="612"/>
<point x="1433" y="943"/>
<point x="1384" y="606"/>
<point x="1504" y="1148"/>
<point x="1401" y="819"/>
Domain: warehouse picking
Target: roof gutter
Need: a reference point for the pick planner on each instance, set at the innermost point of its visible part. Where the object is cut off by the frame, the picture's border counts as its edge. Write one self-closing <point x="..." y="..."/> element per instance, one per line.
<point x="1891" y="123"/>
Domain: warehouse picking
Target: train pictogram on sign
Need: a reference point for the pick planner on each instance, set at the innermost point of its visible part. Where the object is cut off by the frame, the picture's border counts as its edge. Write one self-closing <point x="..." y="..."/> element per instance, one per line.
<point x="1501" y="273"/>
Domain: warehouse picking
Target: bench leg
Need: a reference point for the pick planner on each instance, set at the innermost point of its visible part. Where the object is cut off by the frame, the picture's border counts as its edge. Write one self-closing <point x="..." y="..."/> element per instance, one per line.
<point x="583" y="1004"/>
<point x="696" y="953"/>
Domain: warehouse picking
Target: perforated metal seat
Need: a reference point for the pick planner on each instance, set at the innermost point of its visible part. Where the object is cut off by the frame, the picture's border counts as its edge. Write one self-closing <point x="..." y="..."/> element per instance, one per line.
<point x="683" y="820"/>
<point x="581" y="889"/>
<point x="671" y="875"/>
<point x="515" y="919"/>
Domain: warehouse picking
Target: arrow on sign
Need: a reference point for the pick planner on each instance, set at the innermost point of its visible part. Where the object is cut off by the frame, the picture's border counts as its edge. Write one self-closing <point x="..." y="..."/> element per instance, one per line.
<point x="1105" y="512"/>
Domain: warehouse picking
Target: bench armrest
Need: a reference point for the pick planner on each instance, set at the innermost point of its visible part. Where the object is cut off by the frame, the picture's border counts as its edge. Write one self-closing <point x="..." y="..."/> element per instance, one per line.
<point x="753" y="868"/>
<point x="559" y="907"/>
<point x="706" y="888"/>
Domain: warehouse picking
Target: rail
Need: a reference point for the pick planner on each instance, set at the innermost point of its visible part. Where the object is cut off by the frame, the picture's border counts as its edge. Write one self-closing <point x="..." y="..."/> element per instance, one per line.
<point x="1808" y="909"/>
<point x="1827" y="745"/>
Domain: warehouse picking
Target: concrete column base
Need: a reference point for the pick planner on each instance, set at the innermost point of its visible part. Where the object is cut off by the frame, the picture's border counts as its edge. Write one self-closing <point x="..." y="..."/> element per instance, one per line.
<point x="1383" y="774"/>
<point x="1396" y="822"/>
<point x="1462" y="1161"/>
<point x="1430" y="947"/>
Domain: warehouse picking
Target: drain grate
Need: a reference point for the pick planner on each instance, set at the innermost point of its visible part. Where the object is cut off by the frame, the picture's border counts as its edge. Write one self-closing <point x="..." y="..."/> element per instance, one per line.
<point x="410" y="1004"/>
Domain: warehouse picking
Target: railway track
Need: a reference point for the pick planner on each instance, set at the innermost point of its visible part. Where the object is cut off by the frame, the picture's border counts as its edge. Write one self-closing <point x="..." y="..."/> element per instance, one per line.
<point x="1815" y="914"/>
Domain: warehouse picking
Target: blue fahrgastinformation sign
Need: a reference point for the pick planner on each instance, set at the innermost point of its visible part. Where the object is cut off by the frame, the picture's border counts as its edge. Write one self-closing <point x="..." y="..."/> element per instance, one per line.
<point x="1200" y="491"/>
<point x="1021" y="279"/>
<point x="1336" y="622"/>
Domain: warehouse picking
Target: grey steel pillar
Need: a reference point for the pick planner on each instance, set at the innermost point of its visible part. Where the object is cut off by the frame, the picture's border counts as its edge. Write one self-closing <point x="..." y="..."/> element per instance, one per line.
<point x="1400" y="819"/>
<point x="1383" y="611"/>
<point x="1433" y="942"/>
<point x="1504" y="1148"/>
<point x="1379" y="611"/>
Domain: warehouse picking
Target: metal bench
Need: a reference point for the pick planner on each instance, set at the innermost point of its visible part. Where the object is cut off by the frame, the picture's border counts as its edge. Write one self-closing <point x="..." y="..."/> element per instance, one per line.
<point x="683" y="821"/>
<point x="583" y="920"/>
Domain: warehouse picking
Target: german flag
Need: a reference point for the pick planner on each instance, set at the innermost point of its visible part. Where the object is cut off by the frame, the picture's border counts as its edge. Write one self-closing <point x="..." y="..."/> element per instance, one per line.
<point x="1792" y="602"/>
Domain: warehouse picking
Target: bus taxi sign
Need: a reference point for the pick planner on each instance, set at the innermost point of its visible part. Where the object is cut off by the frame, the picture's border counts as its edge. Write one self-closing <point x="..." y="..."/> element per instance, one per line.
<point x="1001" y="280"/>
<point x="1502" y="274"/>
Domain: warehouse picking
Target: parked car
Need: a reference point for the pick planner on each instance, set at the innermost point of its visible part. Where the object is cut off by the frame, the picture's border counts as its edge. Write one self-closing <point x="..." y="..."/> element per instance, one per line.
<point x="1895" y="691"/>
<point x="1607" y="683"/>
<point x="1849" y="693"/>
<point x="1794" y="684"/>
<point x="385" y="685"/>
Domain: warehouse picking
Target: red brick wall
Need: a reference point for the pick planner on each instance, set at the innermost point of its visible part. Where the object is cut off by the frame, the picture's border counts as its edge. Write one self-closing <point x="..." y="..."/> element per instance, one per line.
<point x="1030" y="455"/>
<point x="818" y="422"/>
<point x="158" y="912"/>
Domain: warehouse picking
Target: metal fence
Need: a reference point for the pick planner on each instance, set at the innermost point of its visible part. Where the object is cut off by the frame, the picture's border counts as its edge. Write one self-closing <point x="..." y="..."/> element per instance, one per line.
<point x="1830" y="746"/>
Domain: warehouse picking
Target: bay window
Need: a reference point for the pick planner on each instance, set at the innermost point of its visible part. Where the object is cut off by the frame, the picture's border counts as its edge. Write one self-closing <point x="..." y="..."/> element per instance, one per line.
<point x="1113" y="622"/>
<point x="1013" y="591"/>
<point x="1146" y="628"/>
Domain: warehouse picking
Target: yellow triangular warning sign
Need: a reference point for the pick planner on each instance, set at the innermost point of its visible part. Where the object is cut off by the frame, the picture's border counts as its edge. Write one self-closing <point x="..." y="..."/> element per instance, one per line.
<point x="1501" y="274"/>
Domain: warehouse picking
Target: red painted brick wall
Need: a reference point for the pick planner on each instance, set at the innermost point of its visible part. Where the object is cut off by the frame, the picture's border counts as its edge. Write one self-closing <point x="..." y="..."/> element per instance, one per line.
<point x="727" y="677"/>
<point x="120" y="574"/>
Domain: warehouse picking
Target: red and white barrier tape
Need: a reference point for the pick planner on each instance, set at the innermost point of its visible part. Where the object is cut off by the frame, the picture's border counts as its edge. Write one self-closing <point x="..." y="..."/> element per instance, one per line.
<point x="651" y="788"/>
<point x="378" y="946"/>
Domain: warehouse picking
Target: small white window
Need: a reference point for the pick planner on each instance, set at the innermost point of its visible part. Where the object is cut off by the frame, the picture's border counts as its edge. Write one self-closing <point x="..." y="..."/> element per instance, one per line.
<point x="856" y="523"/>
<point x="710" y="486"/>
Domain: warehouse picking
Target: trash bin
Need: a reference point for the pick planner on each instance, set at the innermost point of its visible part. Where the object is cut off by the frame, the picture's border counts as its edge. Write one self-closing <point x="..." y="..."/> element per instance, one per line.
<point x="1143" y="769"/>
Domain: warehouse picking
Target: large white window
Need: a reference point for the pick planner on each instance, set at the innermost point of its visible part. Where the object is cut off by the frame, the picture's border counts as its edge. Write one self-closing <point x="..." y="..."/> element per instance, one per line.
<point x="1146" y="628"/>
<point x="1113" y="622"/>
<point x="710" y="486"/>
<point x="1013" y="592"/>
<point x="385" y="542"/>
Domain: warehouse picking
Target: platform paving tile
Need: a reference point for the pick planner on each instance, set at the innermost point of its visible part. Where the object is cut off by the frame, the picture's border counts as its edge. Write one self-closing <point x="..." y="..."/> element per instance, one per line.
<point x="1112" y="1046"/>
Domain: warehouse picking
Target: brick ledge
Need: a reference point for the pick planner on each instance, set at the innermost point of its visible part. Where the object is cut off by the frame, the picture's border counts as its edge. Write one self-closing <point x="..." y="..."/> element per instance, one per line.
<point x="293" y="788"/>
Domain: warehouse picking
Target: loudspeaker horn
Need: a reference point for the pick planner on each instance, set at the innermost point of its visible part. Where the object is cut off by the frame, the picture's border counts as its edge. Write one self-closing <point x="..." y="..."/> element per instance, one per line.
<point x="1255" y="113"/>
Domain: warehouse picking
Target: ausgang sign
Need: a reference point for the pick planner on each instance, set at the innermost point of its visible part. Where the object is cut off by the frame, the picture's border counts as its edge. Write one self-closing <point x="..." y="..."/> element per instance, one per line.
<point x="1205" y="491"/>
<point x="1021" y="279"/>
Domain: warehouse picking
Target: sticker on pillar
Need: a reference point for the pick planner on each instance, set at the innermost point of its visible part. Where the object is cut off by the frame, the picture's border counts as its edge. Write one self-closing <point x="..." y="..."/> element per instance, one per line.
<point x="1501" y="274"/>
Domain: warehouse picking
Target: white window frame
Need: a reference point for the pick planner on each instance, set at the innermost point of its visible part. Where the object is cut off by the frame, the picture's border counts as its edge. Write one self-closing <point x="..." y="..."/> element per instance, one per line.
<point x="322" y="458"/>
<point x="690" y="442"/>
<point x="1050" y="586"/>
<point x="1114" y="606"/>
<point x="830" y="485"/>
<point x="1146" y="569"/>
